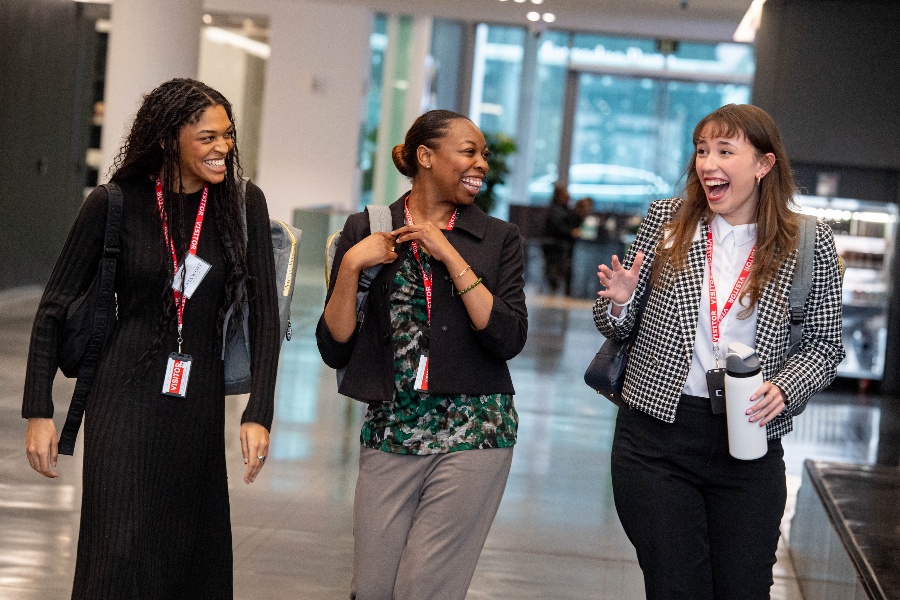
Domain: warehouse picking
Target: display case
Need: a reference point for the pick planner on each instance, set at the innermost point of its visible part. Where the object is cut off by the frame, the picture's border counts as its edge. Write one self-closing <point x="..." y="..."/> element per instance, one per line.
<point x="864" y="234"/>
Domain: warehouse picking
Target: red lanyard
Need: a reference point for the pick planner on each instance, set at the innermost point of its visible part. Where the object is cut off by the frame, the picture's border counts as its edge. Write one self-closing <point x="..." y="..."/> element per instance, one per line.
<point x="714" y="317"/>
<point x="195" y="242"/>
<point x="426" y="279"/>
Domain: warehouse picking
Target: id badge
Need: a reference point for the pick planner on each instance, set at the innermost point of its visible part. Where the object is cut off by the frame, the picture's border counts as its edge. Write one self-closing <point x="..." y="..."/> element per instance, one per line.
<point x="177" y="373"/>
<point x="196" y="268"/>
<point x="422" y="374"/>
<point x="715" y="383"/>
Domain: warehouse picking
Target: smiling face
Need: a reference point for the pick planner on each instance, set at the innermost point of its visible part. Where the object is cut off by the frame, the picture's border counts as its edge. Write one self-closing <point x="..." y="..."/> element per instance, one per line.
<point x="458" y="163"/>
<point x="203" y="148"/>
<point x="727" y="168"/>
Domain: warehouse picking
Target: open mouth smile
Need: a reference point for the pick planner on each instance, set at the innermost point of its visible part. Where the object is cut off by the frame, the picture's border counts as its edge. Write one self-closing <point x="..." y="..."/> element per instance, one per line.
<point x="473" y="184"/>
<point x="716" y="188"/>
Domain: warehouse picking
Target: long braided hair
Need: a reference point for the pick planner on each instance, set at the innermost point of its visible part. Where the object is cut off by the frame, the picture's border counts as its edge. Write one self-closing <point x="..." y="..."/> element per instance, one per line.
<point x="152" y="149"/>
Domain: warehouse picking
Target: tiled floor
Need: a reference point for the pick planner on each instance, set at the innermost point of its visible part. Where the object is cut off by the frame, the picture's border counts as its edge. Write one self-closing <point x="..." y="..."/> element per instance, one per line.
<point x="556" y="536"/>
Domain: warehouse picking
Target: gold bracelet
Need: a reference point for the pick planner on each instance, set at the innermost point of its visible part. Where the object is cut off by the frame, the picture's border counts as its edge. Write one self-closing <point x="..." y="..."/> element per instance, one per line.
<point x="463" y="272"/>
<point x="471" y="287"/>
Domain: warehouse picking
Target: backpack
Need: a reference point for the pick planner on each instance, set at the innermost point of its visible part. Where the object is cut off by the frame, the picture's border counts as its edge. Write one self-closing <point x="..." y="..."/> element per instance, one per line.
<point x="89" y="322"/>
<point x="236" y="344"/>
<point x="802" y="283"/>
<point x="379" y="221"/>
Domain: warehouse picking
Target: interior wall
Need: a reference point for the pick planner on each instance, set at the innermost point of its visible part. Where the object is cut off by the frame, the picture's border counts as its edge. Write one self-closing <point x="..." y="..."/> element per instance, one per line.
<point x="44" y="127"/>
<point x="827" y="71"/>
<point x="313" y="105"/>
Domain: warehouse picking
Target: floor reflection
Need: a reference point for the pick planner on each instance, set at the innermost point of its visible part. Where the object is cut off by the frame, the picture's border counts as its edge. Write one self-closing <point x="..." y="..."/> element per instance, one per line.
<point x="556" y="535"/>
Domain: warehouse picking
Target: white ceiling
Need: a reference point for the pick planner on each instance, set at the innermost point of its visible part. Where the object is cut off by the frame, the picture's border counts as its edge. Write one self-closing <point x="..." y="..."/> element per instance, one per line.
<point x="713" y="20"/>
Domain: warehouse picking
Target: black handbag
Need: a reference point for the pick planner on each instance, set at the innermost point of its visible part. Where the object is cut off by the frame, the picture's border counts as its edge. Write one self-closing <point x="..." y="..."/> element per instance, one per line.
<point x="89" y="321"/>
<point x="606" y="373"/>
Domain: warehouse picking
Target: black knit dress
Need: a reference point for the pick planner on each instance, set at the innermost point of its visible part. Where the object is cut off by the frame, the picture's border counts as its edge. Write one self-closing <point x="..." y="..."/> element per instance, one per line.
<point x="155" y="520"/>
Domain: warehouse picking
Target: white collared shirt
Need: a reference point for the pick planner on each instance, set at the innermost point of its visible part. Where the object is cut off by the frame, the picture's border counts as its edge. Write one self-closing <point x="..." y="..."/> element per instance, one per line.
<point x="731" y="248"/>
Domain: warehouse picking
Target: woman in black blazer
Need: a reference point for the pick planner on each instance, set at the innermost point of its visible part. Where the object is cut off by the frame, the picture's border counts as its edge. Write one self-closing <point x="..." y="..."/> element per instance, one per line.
<point x="706" y="525"/>
<point x="441" y="320"/>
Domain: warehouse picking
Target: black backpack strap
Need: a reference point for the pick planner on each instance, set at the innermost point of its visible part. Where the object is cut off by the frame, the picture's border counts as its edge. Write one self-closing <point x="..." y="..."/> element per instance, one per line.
<point x="103" y="307"/>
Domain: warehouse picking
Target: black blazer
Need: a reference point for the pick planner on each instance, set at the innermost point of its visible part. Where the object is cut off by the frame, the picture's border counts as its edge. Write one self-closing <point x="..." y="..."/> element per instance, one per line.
<point x="462" y="360"/>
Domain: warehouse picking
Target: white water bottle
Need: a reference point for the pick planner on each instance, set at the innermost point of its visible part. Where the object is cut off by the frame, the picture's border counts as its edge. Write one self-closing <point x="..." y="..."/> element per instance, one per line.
<point x="743" y="377"/>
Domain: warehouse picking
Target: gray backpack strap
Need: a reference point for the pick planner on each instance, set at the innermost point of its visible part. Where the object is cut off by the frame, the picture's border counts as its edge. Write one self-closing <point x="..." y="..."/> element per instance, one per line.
<point x="379" y="221"/>
<point x="803" y="275"/>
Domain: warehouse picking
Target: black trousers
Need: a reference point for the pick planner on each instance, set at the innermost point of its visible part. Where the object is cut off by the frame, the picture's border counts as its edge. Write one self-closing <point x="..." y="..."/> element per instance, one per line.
<point x="705" y="525"/>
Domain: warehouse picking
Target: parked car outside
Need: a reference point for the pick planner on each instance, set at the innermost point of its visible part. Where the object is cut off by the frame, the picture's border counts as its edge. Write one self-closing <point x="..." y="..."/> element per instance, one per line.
<point x="606" y="184"/>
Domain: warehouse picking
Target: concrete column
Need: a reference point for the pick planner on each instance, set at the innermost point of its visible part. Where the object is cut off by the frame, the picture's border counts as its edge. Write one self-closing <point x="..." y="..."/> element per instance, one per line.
<point x="313" y="103"/>
<point x="150" y="42"/>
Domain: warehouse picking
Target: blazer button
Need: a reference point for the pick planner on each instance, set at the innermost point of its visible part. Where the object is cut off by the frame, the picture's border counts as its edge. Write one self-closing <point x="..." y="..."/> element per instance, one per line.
<point x="385" y="338"/>
<point x="384" y="288"/>
<point x="443" y="328"/>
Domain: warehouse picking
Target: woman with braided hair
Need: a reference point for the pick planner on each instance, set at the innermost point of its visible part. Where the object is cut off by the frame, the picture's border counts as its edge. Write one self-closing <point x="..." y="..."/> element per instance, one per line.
<point x="155" y="519"/>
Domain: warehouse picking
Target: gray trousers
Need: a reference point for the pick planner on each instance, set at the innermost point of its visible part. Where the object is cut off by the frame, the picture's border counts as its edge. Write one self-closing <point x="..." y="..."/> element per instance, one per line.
<point x="420" y="522"/>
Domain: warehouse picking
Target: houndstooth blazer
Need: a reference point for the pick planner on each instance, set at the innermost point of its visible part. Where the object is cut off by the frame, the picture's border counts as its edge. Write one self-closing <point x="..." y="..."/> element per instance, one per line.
<point x="661" y="357"/>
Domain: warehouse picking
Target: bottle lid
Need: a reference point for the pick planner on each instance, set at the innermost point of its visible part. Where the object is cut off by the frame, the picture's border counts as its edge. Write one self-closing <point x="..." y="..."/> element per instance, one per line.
<point x="741" y="360"/>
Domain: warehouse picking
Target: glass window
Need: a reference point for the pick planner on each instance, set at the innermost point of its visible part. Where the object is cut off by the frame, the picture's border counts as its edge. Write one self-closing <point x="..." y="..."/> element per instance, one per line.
<point x="497" y="78"/>
<point x="552" y="61"/>
<point x="378" y="43"/>
<point x="447" y="40"/>
<point x="631" y="138"/>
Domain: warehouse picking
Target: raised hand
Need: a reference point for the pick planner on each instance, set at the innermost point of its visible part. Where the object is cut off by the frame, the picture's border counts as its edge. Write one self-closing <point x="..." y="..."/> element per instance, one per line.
<point x="618" y="282"/>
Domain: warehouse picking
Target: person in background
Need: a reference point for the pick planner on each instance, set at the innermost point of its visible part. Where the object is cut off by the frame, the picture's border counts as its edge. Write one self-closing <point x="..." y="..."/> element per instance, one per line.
<point x="719" y="264"/>
<point x="560" y="230"/>
<point x="155" y="519"/>
<point x="588" y="221"/>
<point x="442" y="319"/>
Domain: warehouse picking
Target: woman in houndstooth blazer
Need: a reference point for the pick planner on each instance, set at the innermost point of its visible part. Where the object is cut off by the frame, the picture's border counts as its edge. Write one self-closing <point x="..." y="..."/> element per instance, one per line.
<point x="706" y="525"/>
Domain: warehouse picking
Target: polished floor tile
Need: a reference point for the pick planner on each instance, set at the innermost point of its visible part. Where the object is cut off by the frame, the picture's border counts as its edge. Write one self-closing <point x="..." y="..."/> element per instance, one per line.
<point x="556" y="535"/>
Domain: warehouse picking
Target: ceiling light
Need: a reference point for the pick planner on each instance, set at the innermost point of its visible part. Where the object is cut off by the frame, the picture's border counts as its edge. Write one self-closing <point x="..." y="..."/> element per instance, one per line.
<point x="549" y="17"/>
<point x="537" y="1"/>
<point x="520" y="1"/>
<point x="223" y="36"/>
<point x="533" y="16"/>
<point x="746" y="31"/>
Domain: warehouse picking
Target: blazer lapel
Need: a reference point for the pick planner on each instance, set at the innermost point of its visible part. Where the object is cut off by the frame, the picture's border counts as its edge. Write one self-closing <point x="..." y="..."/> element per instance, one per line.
<point x="687" y="292"/>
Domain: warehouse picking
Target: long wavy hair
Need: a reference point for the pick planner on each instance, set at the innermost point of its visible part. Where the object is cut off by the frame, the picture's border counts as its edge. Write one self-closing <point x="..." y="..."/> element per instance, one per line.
<point x="152" y="149"/>
<point x="777" y="226"/>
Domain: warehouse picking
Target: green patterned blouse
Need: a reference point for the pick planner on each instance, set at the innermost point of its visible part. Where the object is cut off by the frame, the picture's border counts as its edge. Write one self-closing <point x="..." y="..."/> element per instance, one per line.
<point x="418" y="422"/>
